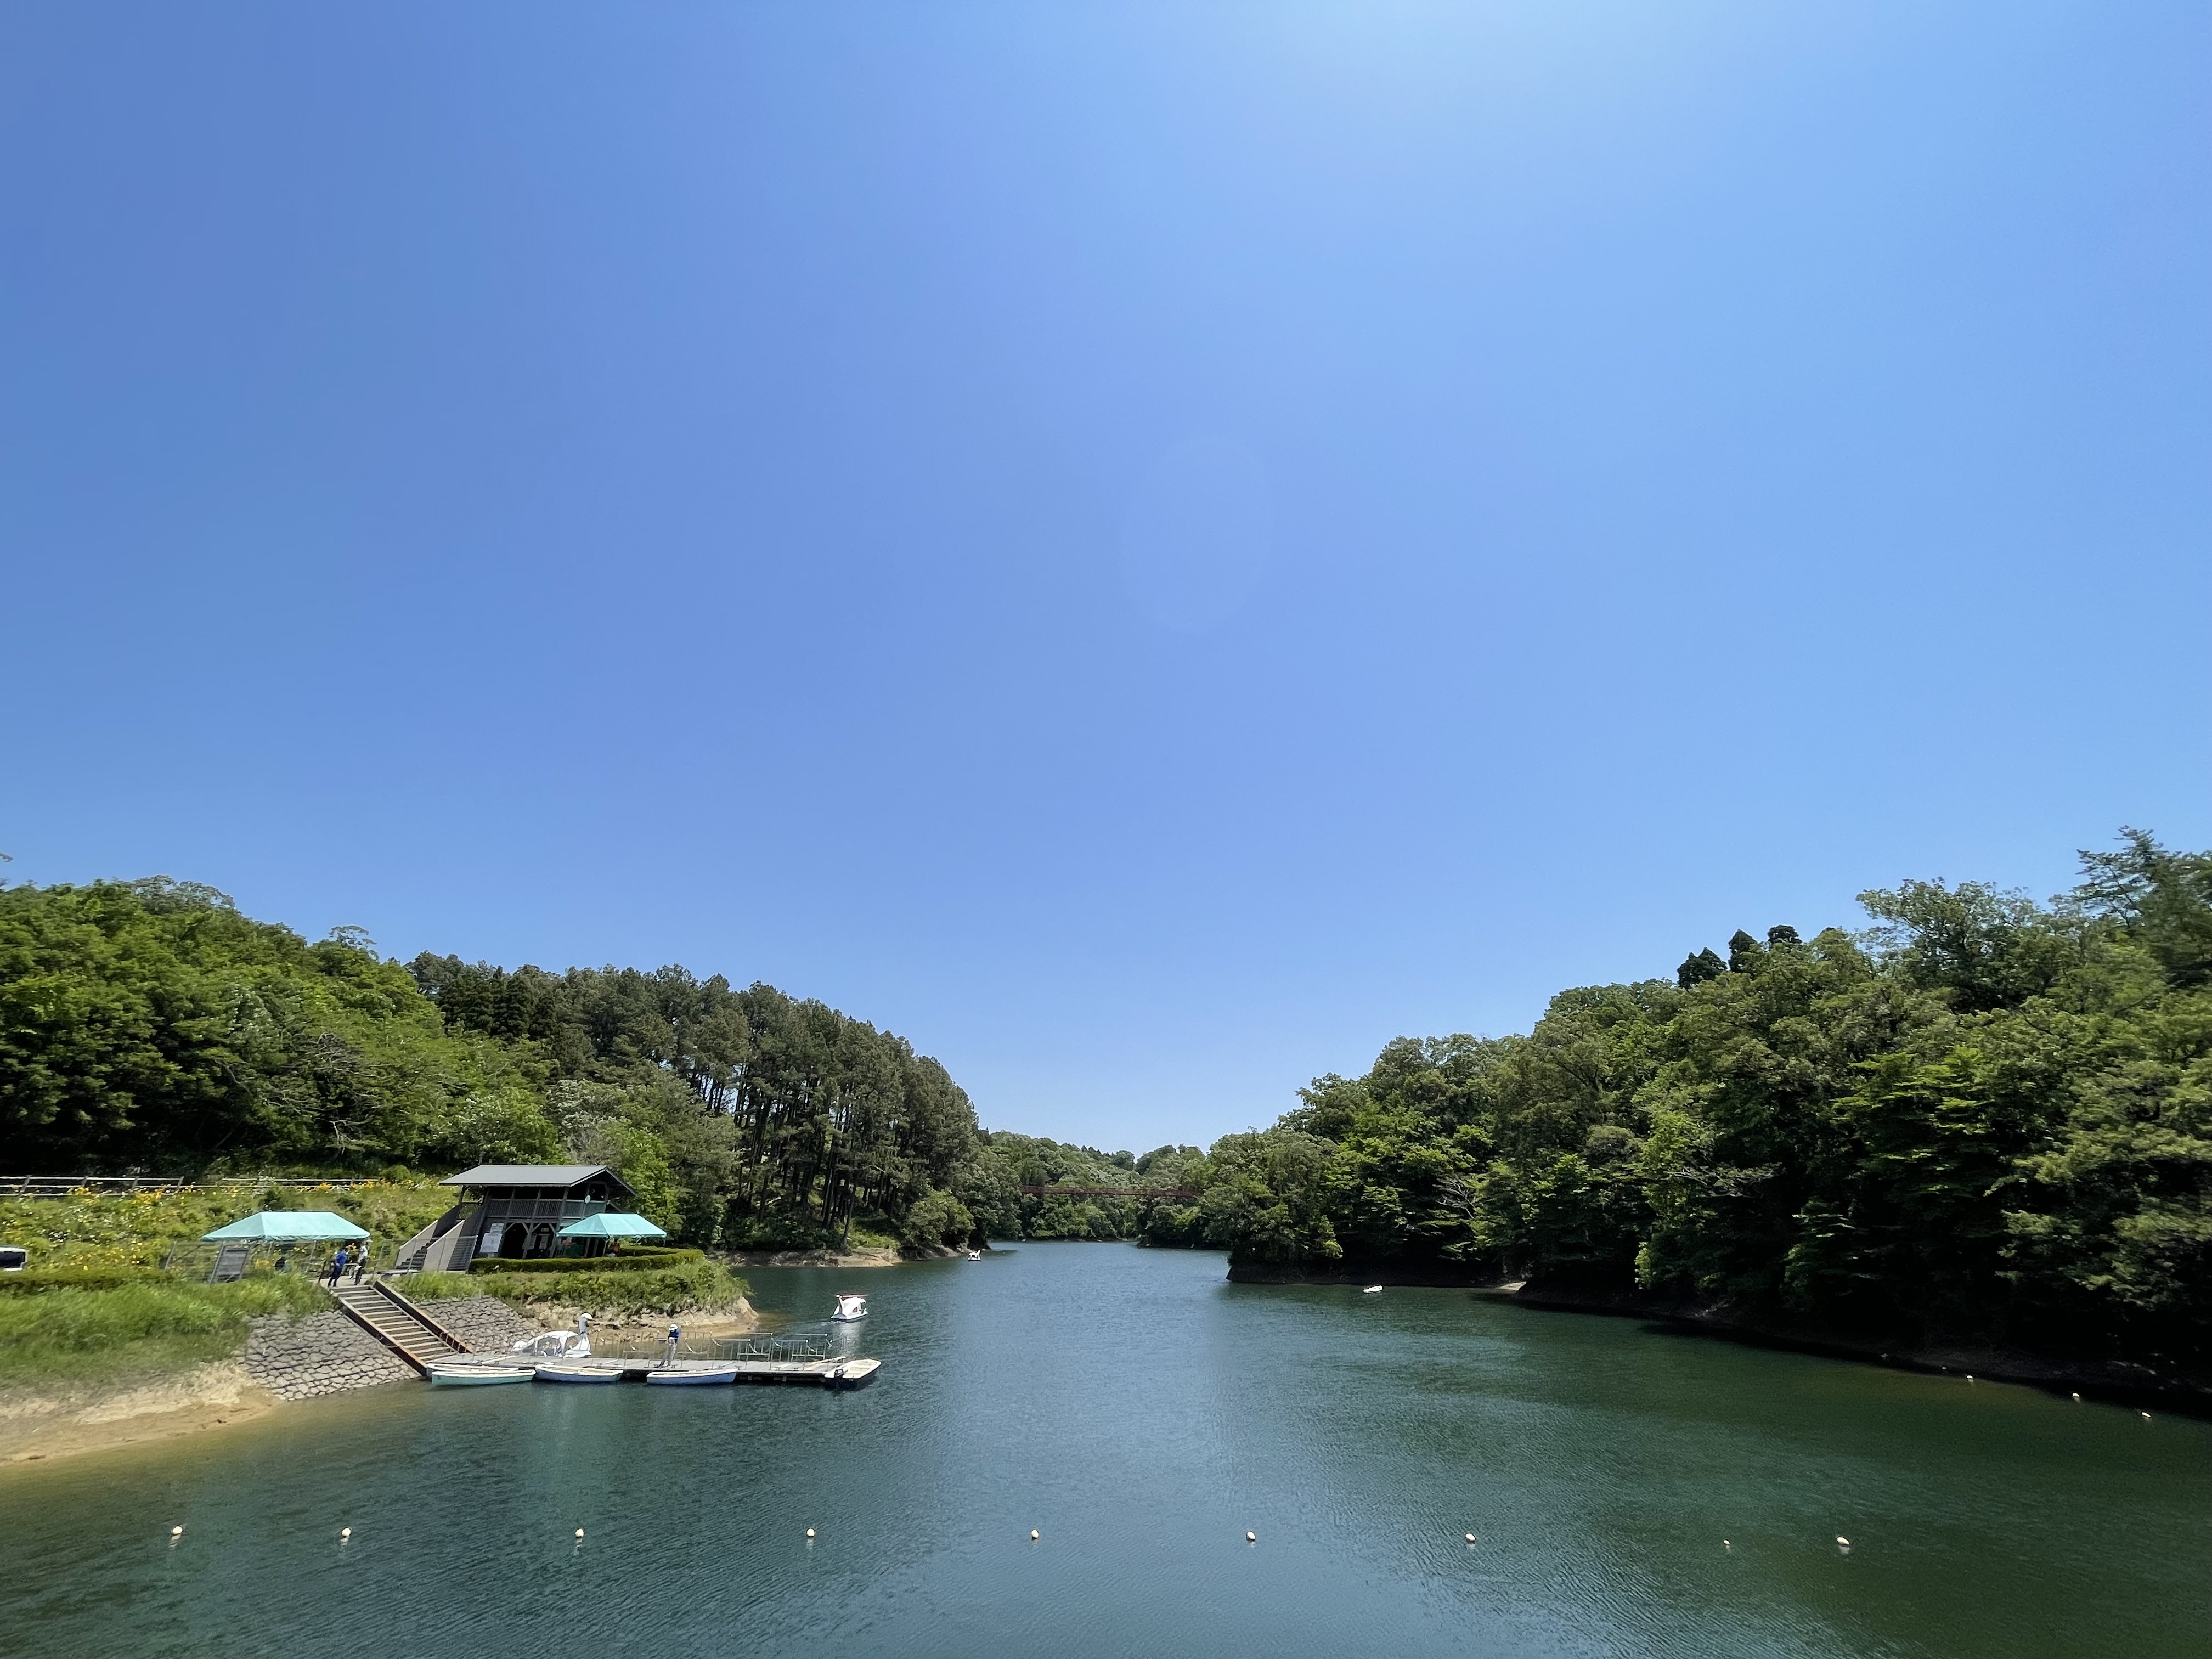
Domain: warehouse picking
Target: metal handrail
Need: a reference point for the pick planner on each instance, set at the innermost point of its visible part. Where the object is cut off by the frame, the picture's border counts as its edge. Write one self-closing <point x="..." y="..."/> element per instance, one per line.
<point x="772" y="1347"/>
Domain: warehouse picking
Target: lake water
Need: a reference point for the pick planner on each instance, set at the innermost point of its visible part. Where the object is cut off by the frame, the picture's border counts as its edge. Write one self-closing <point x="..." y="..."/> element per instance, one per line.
<point x="1142" y="1415"/>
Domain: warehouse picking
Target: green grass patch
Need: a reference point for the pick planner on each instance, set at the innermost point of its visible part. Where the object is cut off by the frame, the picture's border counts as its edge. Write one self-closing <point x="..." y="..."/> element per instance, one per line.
<point x="694" y="1285"/>
<point x="137" y="1230"/>
<point x="37" y="1280"/>
<point x="438" y="1287"/>
<point x="628" y="1261"/>
<point x="75" y="1333"/>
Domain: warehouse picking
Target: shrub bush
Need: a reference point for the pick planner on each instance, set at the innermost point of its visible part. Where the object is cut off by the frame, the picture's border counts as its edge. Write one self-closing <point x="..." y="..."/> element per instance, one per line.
<point x="695" y="1284"/>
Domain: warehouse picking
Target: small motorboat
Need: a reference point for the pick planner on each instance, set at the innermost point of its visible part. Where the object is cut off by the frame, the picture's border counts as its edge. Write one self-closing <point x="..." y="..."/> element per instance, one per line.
<point x="1372" y="1290"/>
<point x="850" y="1307"/>
<point x="464" y="1374"/>
<point x="563" y="1370"/>
<point x="691" y="1375"/>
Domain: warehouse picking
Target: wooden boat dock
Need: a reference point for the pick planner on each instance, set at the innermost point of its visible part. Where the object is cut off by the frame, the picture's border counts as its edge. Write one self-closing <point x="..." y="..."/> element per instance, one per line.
<point x="805" y="1362"/>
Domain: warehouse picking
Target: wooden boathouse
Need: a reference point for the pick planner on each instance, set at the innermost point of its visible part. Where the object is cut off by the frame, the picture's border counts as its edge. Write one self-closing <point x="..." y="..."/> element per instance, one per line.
<point x="512" y="1210"/>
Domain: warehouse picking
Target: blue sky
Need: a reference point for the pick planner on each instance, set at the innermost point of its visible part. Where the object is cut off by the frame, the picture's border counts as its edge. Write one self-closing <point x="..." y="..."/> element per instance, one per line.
<point x="1150" y="547"/>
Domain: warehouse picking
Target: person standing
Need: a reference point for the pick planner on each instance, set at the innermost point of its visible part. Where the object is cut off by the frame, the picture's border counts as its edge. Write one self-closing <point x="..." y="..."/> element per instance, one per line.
<point x="337" y="1268"/>
<point x="360" y="1260"/>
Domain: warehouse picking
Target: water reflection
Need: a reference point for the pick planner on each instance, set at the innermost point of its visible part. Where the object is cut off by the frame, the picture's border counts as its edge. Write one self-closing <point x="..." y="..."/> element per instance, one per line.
<point x="1142" y="1416"/>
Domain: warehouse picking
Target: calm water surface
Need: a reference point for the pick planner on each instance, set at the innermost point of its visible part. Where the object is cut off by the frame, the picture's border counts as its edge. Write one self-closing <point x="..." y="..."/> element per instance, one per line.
<point x="1142" y="1415"/>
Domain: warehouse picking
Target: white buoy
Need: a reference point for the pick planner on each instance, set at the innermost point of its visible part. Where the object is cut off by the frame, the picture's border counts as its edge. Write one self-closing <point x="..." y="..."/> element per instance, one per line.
<point x="176" y="1532"/>
<point x="1470" y="1538"/>
<point x="1033" y="1533"/>
<point x="809" y="1532"/>
<point x="579" y="1532"/>
<point x="2145" y="1417"/>
<point x="1726" y="1545"/>
<point x="2077" y="1398"/>
<point x="1251" y="1537"/>
<point x="1845" y="1542"/>
<point x="345" y="1532"/>
<point x="1970" y="1377"/>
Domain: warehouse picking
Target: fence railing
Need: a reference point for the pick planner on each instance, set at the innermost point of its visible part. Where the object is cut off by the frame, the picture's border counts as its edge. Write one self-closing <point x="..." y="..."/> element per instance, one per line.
<point x="63" y="1186"/>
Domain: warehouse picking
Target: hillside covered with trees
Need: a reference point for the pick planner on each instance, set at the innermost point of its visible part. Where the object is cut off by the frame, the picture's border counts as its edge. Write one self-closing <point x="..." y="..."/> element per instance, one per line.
<point x="1981" y="1116"/>
<point x="1026" y="1187"/>
<point x="148" y="1026"/>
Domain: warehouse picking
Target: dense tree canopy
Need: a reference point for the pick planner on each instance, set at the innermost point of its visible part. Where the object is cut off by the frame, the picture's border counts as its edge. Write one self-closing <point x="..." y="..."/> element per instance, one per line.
<point x="1024" y="1187"/>
<point x="1979" y="1116"/>
<point x="149" y="1025"/>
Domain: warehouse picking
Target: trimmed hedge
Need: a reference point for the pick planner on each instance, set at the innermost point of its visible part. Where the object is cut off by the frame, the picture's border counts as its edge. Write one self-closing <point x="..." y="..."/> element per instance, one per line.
<point x="628" y="1261"/>
<point x="33" y="1280"/>
<point x="691" y="1285"/>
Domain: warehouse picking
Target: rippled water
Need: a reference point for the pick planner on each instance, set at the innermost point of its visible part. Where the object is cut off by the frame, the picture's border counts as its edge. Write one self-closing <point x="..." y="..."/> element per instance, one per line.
<point x="1142" y="1415"/>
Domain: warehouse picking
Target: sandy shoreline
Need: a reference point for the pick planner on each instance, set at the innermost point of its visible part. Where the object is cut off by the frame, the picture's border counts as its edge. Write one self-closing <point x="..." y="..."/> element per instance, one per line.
<point x="48" y="1425"/>
<point x="39" y="1427"/>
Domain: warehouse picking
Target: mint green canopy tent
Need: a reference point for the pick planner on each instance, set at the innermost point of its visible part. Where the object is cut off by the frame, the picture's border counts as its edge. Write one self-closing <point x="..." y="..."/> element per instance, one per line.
<point x="612" y="1225"/>
<point x="289" y="1227"/>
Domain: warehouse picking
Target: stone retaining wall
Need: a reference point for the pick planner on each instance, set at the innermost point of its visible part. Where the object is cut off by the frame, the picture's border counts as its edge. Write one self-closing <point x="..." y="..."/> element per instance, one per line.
<point x="484" y="1322"/>
<point x="323" y="1353"/>
<point x="328" y="1353"/>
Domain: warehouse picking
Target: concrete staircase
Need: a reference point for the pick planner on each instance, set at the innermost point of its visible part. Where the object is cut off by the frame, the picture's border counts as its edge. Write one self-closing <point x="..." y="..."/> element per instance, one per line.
<point x="434" y="1249"/>
<point x="398" y="1323"/>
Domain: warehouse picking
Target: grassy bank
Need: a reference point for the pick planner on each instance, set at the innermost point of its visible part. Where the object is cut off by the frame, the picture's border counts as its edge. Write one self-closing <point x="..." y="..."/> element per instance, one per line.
<point x="124" y="1332"/>
<point x="137" y="1230"/>
<point x="122" y="1321"/>
<point x="94" y="1310"/>
<point x="692" y="1285"/>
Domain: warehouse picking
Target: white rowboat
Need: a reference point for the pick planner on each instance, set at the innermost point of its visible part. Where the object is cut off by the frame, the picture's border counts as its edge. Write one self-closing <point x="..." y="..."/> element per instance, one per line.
<point x="477" y="1376"/>
<point x="692" y="1377"/>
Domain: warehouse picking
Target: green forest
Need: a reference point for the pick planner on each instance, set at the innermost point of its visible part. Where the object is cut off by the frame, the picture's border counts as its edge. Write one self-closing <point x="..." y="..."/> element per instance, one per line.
<point x="148" y="1026"/>
<point x="1978" y="1116"/>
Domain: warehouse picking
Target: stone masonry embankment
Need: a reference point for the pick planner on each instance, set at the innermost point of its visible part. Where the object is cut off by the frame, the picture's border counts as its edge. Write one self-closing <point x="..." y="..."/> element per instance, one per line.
<point x="484" y="1322"/>
<point x="322" y="1353"/>
<point x="328" y="1353"/>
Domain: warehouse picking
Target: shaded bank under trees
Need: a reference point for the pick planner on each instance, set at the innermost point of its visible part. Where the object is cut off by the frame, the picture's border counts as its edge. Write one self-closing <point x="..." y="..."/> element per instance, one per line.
<point x="1979" y="1117"/>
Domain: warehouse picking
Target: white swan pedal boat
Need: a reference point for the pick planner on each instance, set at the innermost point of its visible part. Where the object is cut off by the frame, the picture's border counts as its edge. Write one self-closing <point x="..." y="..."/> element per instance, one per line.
<point x="850" y="1307"/>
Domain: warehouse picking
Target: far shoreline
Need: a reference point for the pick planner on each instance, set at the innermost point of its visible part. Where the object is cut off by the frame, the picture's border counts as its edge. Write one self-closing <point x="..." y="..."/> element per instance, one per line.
<point x="2110" y="1381"/>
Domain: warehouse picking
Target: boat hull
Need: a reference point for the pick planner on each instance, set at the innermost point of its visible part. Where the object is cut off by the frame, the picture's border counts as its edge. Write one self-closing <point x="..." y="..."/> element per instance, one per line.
<point x="478" y="1376"/>
<point x="691" y="1379"/>
<point x="576" y="1374"/>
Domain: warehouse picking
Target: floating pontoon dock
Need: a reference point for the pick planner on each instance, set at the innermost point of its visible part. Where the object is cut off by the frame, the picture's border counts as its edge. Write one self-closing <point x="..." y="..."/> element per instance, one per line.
<point x="772" y="1359"/>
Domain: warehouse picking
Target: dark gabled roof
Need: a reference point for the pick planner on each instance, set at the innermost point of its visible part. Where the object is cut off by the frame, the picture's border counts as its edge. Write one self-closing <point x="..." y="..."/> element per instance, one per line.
<point x="532" y="1175"/>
